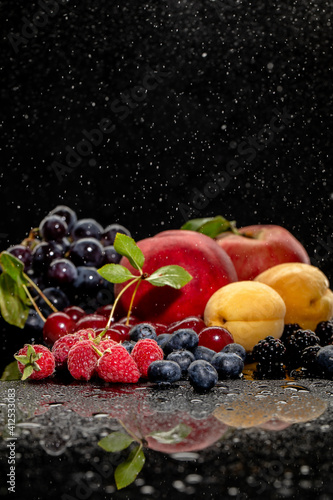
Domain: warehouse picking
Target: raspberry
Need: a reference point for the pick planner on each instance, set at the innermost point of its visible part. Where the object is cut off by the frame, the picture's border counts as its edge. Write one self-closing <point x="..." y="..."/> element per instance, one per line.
<point x="324" y="330"/>
<point x="145" y="352"/>
<point x="82" y="359"/>
<point x="297" y="342"/>
<point x="62" y="346"/>
<point x="117" y="365"/>
<point x="35" y="362"/>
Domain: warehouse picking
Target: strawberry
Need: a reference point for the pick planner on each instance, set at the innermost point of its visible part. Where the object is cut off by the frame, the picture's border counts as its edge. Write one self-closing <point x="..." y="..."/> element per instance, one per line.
<point x="145" y="352"/>
<point x="35" y="362"/>
<point x="117" y="365"/>
<point x="62" y="346"/>
<point x="82" y="359"/>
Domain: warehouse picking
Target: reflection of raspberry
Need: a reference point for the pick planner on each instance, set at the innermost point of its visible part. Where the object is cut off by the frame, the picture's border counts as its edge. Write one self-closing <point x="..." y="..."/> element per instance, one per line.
<point x="82" y="359"/>
<point x="61" y="347"/>
<point x="117" y="365"/>
<point x="35" y="362"/>
<point x="145" y="352"/>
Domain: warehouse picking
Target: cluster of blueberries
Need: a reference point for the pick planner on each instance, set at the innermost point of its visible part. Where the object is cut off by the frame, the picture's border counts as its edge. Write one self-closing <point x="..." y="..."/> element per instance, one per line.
<point x="62" y="257"/>
<point x="185" y="359"/>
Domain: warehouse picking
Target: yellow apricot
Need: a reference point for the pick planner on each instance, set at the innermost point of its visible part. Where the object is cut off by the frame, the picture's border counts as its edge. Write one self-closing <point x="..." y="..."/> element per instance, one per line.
<point x="305" y="291"/>
<point x="250" y="311"/>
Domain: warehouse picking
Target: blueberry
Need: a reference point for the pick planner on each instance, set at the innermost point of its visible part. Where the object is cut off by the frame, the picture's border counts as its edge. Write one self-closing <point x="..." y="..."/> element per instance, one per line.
<point x="142" y="331"/>
<point x="202" y="352"/>
<point x="128" y="345"/>
<point x="185" y="338"/>
<point x="34" y="325"/>
<point x="325" y="358"/>
<point x="162" y="339"/>
<point x="228" y="365"/>
<point x="202" y="375"/>
<point x="183" y="358"/>
<point x="164" y="371"/>
<point x="236" y="349"/>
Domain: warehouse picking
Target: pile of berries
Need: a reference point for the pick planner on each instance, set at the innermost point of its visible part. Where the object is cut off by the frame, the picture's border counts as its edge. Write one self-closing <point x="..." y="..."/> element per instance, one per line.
<point x="302" y="352"/>
<point x="158" y="353"/>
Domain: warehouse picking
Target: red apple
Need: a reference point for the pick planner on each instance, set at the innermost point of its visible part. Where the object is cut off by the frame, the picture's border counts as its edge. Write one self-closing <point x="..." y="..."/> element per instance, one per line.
<point x="261" y="247"/>
<point x="209" y="265"/>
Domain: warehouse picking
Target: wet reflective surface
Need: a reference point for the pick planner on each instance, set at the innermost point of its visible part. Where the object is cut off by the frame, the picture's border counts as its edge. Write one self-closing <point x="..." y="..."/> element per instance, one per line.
<point x="245" y="439"/>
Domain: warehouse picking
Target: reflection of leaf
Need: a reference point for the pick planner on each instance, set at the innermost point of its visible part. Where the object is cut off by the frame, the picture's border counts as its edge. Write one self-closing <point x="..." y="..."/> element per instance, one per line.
<point x="11" y="372"/>
<point x="116" y="441"/>
<point x="173" y="436"/>
<point x="126" y="472"/>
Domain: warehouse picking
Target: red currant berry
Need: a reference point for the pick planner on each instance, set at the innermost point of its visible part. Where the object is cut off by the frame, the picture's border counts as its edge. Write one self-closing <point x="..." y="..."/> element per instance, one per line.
<point x="194" y="322"/>
<point x="92" y="321"/>
<point x="57" y="325"/>
<point x="75" y="312"/>
<point x="111" y="334"/>
<point x="122" y="329"/>
<point x="215" y="338"/>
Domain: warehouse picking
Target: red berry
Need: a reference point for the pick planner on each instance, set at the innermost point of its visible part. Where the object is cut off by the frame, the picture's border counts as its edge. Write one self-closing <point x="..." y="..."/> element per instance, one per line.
<point x="194" y="322"/>
<point x="57" y="325"/>
<point x="144" y="353"/>
<point x="75" y="312"/>
<point x="117" y="365"/>
<point x="110" y="334"/>
<point x="92" y="321"/>
<point x="215" y="338"/>
<point x="62" y="346"/>
<point x="133" y="320"/>
<point x="82" y="359"/>
<point x="35" y="362"/>
<point x="122" y="329"/>
<point x="105" y="311"/>
<point x="106" y="344"/>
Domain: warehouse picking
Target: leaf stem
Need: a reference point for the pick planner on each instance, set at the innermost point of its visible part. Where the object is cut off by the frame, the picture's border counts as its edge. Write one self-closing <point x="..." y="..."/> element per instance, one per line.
<point x="135" y="438"/>
<point x="33" y="284"/>
<point x="34" y="303"/>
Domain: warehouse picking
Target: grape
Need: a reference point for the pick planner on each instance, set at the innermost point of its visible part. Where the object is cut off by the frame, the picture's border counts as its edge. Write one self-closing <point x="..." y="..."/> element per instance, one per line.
<point x="56" y="296"/>
<point x="86" y="228"/>
<point x="87" y="280"/>
<point x="62" y="272"/>
<point x="87" y="252"/>
<point x="43" y="254"/>
<point x="53" y="228"/>
<point x="109" y="233"/>
<point x="23" y="254"/>
<point x="110" y="255"/>
<point x="66" y="213"/>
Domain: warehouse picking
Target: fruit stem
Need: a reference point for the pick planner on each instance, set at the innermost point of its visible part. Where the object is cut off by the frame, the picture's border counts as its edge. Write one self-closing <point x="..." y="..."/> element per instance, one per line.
<point x="34" y="303"/>
<point x="132" y="300"/>
<point x="33" y="284"/>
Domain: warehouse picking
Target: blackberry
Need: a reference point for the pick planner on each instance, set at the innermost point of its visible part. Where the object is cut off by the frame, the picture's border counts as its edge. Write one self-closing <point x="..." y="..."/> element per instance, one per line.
<point x="289" y="329"/>
<point x="273" y="371"/>
<point x="296" y="343"/>
<point x="309" y="360"/>
<point x="324" y="330"/>
<point x="269" y="351"/>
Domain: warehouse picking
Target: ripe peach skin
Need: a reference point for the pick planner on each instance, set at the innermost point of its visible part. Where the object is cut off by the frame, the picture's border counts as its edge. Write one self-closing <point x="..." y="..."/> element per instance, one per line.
<point x="210" y="267"/>
<point x="262" y="247"/>
<point x="250" y="311"/>
<point x="305" y="291"/>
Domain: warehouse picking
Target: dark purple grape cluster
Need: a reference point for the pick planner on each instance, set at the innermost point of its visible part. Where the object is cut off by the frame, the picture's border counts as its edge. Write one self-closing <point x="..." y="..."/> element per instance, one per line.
<point x="62" y="256"/>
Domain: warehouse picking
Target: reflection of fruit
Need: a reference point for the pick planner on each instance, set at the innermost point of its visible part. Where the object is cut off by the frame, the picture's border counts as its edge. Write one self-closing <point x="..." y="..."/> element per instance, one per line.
<point x="262" y="247"/>
<point x="250" y="310"/>
<point x="262" y="409"/>
<point x="305" y="291"/>
<point x="202" y="432"/>
<point x="209" y="266"/>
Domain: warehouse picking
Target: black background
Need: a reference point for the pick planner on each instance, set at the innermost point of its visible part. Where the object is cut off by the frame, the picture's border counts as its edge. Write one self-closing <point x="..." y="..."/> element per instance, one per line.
<point x="226" y="66"/>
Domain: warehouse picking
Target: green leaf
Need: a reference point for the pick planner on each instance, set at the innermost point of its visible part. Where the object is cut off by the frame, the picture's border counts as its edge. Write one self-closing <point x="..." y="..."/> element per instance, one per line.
<point x="115" y="273"/>
<point x="210" y="226"/>
<point x="14" y="267"/>
<point x="28" y="370"/>
<point x="174" y="276"/>
<point x="13" y="301"/>
<point x="116" y="441"/>
<point x="126" y="472"/>
<point x="11" y="372"/>
<point x="173" y="436"/>
<point x="126" y="246"/>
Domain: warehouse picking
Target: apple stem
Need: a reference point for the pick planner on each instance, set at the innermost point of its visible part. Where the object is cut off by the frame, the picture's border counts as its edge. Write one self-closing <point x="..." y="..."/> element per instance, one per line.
<point x="33" y="284"/>
<point x="33" y="303"/>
